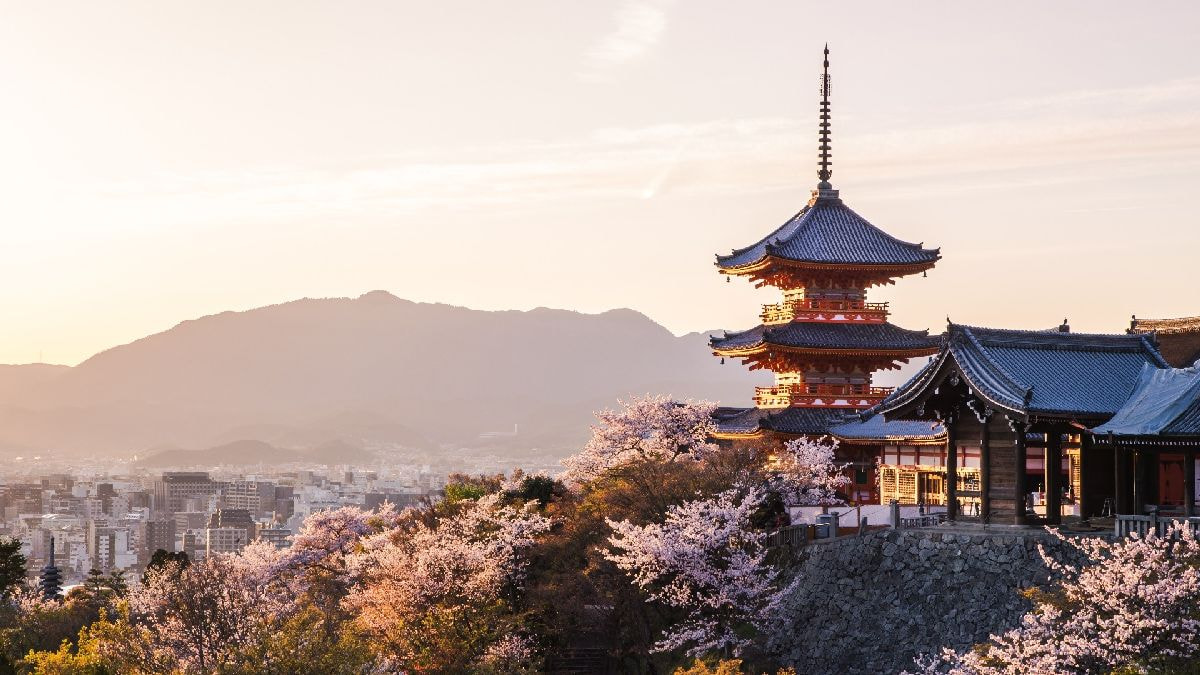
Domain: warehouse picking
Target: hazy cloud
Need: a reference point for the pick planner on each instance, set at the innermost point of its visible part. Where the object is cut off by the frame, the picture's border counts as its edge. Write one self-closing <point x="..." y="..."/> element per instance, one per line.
<point x="1058" y="143"/>
<point x="639" y="27"/>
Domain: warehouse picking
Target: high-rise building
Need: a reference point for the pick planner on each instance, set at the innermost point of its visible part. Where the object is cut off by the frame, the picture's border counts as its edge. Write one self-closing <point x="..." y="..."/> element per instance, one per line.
<point x="257" y="497"/>
<point x="158" y="534"/>
<point x="230" y="530"/>
<point x="224" y="540"/>
<point x="176" y="488"/>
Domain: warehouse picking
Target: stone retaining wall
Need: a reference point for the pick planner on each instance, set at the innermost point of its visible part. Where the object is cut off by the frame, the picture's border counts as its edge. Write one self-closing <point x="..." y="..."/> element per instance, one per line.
<point x="871" y="604"/>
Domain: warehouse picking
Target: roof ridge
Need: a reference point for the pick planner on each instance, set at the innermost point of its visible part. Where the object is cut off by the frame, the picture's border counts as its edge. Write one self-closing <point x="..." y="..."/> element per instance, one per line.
<point x="885" y="233"/>
<point x="1153" y="349"/>
<point x="765" y="241"/>
<point x="1027" y="390"/>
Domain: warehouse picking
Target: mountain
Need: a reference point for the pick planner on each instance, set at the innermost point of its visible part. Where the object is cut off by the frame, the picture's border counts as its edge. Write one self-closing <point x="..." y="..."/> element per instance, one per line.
<point x="248" y="452"/>
<point x="369" y="370"/>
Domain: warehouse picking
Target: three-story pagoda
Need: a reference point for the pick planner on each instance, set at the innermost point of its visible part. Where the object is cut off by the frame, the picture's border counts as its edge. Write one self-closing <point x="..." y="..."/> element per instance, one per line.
<point x="824" y="340"/>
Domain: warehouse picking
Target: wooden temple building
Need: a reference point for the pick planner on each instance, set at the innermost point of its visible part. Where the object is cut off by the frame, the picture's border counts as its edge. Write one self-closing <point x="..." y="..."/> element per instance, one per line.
<point x="996" y="390"/>
<point x="1154" y="439"/>
<point x="1003" y="426"/>
<point x="824" y="339"/>
<point x="1177" y="339"/>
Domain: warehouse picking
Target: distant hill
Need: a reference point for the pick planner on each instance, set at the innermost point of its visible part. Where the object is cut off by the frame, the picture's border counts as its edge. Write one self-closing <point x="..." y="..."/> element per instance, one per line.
<point x="250" y="452"/>
<point x="373" y="369"/>
<point x="237" y="453"/>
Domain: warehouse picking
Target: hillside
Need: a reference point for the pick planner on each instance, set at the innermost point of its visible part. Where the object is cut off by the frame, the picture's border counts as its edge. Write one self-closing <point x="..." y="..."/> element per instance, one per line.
<point x="375" y="368"/>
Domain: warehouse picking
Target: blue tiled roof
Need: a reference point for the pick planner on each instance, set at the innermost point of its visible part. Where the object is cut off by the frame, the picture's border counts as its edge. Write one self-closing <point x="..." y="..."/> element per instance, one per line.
<point x="837" y="422"/>
<point x="874" y="427"/>
<point x="812" y="421"/>
<point x="829" y="335"/>
<point x="1187" y="424"/>
<point x="739" y="420"/>
<point x="1036" y="372"/>
<point x="828" y="232"/>
<point x="1166" y="402"/>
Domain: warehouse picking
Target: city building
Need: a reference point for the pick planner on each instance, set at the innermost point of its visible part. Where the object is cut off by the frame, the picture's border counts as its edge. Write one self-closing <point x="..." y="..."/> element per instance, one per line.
<point x="179" y="490"/>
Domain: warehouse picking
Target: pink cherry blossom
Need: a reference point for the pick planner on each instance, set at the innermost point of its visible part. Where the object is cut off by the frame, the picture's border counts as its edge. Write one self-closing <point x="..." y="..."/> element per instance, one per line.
<point x="1135" y="604"/>
<point x="651" y="427"/>
<point x="804" y="472"/>
<point x="703" y="559"/>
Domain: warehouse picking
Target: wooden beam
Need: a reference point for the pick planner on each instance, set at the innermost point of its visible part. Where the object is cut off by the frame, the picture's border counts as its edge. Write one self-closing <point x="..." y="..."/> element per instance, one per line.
<point x="951" y="424"/>
<point x="1020" y="489"/>
<point x="1189" y="483"/>
<point x="1086" y="481"/>
<point x="1139" y="478"/>
<point x="985" y="471"/>
<point x="1052" y="461"/>
<point x="1123" y="489"/>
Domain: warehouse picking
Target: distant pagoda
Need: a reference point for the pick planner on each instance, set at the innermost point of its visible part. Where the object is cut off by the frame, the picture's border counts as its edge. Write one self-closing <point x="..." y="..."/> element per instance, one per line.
<point x="823" y="341"/>
<point x="50" y="583"/>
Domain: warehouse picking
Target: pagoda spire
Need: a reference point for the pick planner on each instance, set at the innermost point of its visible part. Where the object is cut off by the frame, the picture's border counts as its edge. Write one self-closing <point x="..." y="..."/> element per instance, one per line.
<point x="826" y="170"/>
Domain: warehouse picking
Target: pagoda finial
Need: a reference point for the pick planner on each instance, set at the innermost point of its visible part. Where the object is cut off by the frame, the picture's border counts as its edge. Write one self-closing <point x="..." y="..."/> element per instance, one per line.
<point x="825" y="172"/>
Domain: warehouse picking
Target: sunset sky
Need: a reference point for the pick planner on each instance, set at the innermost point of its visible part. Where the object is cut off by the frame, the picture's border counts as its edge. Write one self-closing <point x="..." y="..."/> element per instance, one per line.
<point x="162" y="161"/>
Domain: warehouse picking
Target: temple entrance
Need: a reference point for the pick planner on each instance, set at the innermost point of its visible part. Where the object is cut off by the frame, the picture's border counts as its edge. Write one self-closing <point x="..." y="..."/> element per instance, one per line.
<point x="932" y="487"/>
<point x="1171" y="479"/>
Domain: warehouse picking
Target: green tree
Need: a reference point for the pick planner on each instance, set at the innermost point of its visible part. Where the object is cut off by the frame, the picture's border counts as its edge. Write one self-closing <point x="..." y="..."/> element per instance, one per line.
<point x="116" y="583"/>
<point x="542" y="488"/>
<point x="12" y="566"/>
<point x="162" y="558"/>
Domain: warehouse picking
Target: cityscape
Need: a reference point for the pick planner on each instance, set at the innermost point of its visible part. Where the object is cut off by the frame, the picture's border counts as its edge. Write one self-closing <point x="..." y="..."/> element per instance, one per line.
<point x="389" y="338"/>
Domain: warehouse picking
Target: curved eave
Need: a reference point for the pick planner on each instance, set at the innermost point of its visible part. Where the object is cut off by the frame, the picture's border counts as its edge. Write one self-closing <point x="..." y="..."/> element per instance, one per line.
<point x="763" y="347"/>
<point x="768" y="261"/>
<point x="750" y="435"/>
<point x="1188" y="440"/>
<point x="892" y="440"/>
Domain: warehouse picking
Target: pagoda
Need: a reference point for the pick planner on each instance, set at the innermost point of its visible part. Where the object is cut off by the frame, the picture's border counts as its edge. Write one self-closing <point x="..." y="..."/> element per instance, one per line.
<point x="50" y="581"/>
<point x="823" y="341"/>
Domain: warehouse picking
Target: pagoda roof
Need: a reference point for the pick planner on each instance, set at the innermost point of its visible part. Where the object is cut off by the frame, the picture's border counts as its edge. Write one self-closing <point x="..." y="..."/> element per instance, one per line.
<point x="875" y="337"/>
<point x="797" y="421"/>
<point x="842" y="425"/>
<point x="826" y="232"/>
<point x="1049" y="373"/>
<point x="1166" y="402"/>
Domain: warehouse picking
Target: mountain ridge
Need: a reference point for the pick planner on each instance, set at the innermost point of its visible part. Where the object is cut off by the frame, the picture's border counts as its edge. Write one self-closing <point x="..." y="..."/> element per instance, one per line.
<point x="429" y="372"/>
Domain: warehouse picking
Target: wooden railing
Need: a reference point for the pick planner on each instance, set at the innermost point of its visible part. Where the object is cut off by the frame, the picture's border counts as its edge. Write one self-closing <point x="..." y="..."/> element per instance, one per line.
<point x="927" y="520"/>
<point x="792" y="536"/>
<point x="784" y="395"/>
<point x="825" y="310"/>
<point x="1127" y="524"/>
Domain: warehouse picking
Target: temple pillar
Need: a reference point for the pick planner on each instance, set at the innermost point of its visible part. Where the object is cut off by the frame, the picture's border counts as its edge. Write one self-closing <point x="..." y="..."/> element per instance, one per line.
<point x="1123" y="490"/>
<point x="1084" y="498"/>
<point x="985" y="471"/>
<point x="951" y="467"/>
<point x="1020" y="515"/>
<point x="1189" y="483"/>
<point x="1139" y="479"/>
<point x="1053" y="466"/>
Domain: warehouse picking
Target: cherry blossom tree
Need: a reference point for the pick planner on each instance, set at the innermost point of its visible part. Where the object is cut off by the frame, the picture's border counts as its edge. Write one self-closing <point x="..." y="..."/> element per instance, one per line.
<point x="805" y="473"/>
<point x="199" y="617"/>
<point x="1135" y="608"/>
<point x="645" y="428"/>
<point x="706" y="561"/>
<point x="439" y="596"/>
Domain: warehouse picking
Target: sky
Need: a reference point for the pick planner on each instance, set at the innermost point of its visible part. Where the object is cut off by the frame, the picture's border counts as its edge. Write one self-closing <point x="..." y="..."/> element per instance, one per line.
<point x="163" y="161"/>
